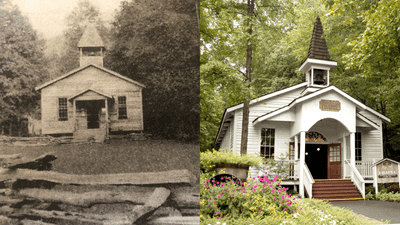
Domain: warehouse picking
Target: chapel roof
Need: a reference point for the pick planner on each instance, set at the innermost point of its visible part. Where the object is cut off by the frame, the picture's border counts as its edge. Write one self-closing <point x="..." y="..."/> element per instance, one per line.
<point x="90" y="37"/>
<point x="318" y="48"/>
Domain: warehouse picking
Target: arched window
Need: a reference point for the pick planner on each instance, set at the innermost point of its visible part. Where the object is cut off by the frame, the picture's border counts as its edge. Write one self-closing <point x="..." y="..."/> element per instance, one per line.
<point x="314" y="136"/>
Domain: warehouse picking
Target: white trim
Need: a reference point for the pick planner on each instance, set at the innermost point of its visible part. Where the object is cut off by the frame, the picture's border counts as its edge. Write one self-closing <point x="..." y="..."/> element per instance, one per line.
<point x="307" y="64"/>
<point x="267" y="96"/>
<point x="385" y="159"/>
<point x="84" y="67"/>
<point x="277" y="112"/>
<point x="367" y="121"/>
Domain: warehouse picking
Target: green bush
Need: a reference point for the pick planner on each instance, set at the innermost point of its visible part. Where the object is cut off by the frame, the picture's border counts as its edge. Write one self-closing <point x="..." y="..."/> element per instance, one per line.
<point x="393" y="188"/>
<point x="370" y="189"/>
<point x="259" y="199"/>
<point x="391" y="197"/>
<point x="209" y="159"/>
<point x="369" y="196"/>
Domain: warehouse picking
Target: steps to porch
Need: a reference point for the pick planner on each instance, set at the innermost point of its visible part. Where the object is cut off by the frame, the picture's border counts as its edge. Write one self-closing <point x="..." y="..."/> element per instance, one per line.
<point x="335" y="190"/>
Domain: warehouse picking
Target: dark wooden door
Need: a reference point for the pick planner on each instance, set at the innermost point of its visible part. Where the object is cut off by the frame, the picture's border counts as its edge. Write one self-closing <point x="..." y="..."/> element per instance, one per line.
<point x="334" y="163"/>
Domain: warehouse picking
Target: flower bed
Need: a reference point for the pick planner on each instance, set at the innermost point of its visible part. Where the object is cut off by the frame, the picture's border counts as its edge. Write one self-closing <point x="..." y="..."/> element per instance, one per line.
<point x="264" y="201"/>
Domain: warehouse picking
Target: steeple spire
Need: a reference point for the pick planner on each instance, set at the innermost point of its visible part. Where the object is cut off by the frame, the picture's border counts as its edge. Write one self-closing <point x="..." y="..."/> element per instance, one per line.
<point x="318" y="63"/>
<point x="318" y="48"/>
<point x="91" y="46"/>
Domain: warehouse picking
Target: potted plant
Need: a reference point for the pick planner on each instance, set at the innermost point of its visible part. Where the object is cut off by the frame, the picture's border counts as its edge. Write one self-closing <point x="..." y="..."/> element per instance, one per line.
<point x="229" y="162"/>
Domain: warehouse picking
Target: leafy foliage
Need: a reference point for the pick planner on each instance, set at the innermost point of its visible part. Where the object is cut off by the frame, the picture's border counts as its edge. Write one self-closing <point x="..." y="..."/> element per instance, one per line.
<point x="77" y="20"/>
<point x="209" y="159"/>
<point x="156" y="43"/>
<point x="362" y="36"/>
<point x="22" y="65"/>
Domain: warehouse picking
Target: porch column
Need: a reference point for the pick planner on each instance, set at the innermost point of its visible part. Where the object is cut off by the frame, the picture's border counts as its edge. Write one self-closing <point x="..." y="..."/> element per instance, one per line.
<point x="74" y="113"/>
<point x="106" y="118"/>
<point x="302" y="161"/>
<point x="344" y="155"/>
<point x="353" y="150"/>
<point x="296" y="147"/>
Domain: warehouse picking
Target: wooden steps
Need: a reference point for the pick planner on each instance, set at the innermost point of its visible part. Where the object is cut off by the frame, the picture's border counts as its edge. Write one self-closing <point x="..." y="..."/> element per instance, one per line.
<point x="335" y="190"/>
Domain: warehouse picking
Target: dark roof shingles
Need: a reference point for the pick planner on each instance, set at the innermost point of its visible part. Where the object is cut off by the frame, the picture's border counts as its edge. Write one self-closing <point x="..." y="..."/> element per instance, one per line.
<point x="318" y="48"/>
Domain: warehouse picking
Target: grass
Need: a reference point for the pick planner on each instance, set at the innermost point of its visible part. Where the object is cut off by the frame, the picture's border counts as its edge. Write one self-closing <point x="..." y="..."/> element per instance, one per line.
<point x="118" y="156"/>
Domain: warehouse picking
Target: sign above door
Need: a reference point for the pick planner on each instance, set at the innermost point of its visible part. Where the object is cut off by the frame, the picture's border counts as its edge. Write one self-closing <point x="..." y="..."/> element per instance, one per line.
<point x="329" y="105"/>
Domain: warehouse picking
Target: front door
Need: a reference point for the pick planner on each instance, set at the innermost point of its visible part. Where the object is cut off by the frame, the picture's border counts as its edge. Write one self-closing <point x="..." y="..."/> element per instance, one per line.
<point x="334" y="164"/>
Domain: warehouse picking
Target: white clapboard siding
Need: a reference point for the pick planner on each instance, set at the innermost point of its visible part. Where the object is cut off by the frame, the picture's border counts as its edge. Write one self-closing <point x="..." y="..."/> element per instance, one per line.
<point x="259" y="109"/>
<point x="371" y="141"/>
<point x="97" y="80"/>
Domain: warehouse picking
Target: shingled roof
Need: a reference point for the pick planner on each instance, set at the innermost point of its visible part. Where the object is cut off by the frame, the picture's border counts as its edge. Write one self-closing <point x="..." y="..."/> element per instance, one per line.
<point x="318" y="48"/>
<point x="90" y="37"/>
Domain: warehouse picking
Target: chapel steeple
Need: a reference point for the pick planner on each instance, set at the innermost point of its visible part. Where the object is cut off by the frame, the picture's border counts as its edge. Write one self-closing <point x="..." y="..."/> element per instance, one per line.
<point x="318" y="63"/>
<point x="91" y="46"/>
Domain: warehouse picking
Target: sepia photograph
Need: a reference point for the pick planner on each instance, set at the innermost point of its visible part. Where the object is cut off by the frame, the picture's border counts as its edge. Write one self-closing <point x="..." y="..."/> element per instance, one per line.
<point x="99" y="112"/>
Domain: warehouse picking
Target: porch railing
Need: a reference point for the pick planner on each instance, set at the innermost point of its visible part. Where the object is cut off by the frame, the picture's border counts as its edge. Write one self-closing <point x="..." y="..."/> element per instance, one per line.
<point x="356" y="177"/>
<point x="365" y="169"/>
<point x="308" y="180"/>
<point x="292" y="174"/>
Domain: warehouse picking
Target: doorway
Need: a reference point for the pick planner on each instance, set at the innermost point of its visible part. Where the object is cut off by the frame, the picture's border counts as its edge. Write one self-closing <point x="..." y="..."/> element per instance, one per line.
<point x="92" y="111"/>
<point x="316" y="160"/>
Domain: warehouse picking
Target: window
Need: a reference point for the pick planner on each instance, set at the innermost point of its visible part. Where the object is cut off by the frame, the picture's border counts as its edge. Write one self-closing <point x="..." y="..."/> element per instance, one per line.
<point x="62" y="109"/>
<point x="267" y="143"/>
<point x="122" y="107"/>
<point x="358" y="146"/>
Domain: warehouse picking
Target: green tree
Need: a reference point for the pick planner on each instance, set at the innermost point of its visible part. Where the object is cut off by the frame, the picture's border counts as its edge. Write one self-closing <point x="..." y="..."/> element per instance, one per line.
<point x="22" y="65"/>
<point x="157" y="43"/>
<point x="234" y="33"/>
<point x="77" y="20"/>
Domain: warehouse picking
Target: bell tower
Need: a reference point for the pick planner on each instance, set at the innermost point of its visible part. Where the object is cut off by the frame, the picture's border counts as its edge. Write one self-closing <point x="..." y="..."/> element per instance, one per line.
<point x="91" y="47"/>
<point x="318" y="63"/>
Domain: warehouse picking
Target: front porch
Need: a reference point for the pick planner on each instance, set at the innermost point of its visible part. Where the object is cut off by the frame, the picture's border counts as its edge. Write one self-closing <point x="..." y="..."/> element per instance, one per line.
<point x="359" y="175"/>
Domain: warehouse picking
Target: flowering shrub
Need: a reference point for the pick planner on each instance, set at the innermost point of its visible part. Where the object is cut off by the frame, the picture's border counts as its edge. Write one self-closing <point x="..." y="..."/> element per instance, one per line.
<point x="258" y="199"/>
<point x="314" y="212"/>
<point x="209" y="159"/>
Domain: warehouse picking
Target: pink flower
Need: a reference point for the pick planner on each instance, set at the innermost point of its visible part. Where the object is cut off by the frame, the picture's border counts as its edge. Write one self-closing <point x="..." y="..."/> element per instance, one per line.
<point x="259" y="210"/>
<point x="263" y="190"/>
<point x="232" y="194"/>
<point x="283" y="197"/>
<point x="265" y="172"/>
<point x="219" y="217"/>
<point x="215" y="203"/>
<point x="301" y="208"/>
<point x="273" y="197"/>
<point x="273" y="190"/>
<point x="285" y="208"/>
<point x="216" y="212"/>
<point x="219" y="196"/>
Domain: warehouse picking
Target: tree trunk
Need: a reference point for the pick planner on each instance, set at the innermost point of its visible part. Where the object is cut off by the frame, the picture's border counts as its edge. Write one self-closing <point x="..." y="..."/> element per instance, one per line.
<point x="246" y="103"/>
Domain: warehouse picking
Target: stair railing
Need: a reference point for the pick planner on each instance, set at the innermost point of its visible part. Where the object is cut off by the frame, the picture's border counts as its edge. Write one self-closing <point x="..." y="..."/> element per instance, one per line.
<point x="308" y="180"/>
<point x="356" y="178"/>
